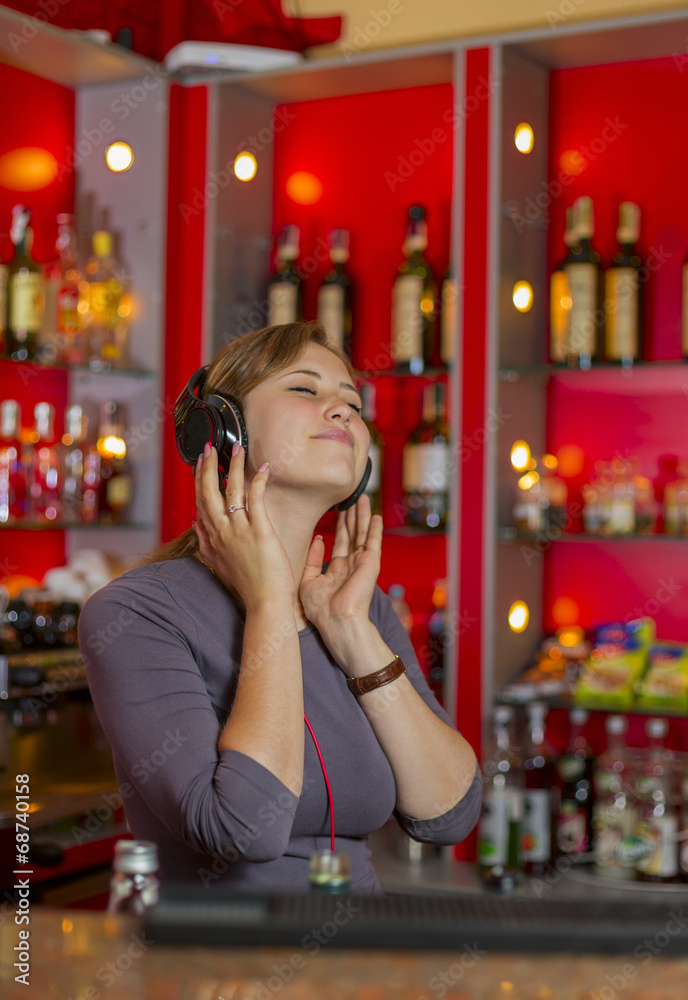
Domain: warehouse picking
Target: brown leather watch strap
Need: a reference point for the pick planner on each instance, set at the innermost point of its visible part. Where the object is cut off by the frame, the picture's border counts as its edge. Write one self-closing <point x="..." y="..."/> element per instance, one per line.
<point x="362" y="685"/>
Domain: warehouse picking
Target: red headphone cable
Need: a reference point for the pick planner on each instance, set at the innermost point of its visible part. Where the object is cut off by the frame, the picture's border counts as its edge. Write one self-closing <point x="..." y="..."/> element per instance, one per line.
<point x="327" y="781"/>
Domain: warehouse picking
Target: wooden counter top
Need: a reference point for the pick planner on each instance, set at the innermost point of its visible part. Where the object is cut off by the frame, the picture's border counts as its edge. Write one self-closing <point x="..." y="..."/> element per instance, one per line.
<point x="77" y="955"/>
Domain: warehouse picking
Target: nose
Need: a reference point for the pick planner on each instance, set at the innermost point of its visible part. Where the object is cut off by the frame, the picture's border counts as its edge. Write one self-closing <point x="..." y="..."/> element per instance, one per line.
<point x="337" y="409"/>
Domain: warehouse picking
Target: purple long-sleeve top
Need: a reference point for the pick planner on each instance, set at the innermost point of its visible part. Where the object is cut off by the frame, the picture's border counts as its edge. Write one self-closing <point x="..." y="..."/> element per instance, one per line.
<point x="162" y="645"/>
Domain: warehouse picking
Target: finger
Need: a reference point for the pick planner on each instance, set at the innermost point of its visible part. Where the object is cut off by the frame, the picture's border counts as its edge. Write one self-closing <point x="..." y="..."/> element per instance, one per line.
<point x="236" y="491"/>
<point x="341" y="546"/>
<point x="363" y="516"/>
<point x="209" y="501"/>
<point x="314" y="560"/>
<point x="374" y="537"/>
<point x="255" y="499"/>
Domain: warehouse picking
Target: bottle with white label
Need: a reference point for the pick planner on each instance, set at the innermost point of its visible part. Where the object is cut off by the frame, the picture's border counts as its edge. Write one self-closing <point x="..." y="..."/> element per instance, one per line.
<point x="449" y="309"/>
<point x="657" y="827"/>
<point x="413" y="301"/>
<point x="377" y="444"/>
<point x="622" y="292"/>
<point x="614" y="810"/>
<point x="334" y="297"/>
<point x="499" y="855"/>
<point x="284" y="290"/>
<point x="582" y="270"/>
<point x="560" y="301"/>
<point x="426" y="464"/>
<point x="25" y="292"/>
<point x="539" y="777"/>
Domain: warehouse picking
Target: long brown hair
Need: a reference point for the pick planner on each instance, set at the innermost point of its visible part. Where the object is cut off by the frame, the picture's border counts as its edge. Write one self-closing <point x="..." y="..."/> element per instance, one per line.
<point x="237" y="369"/>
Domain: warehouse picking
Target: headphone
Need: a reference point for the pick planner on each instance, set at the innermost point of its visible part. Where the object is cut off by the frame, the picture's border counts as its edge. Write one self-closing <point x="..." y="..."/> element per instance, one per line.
<point x="199" y="418"/>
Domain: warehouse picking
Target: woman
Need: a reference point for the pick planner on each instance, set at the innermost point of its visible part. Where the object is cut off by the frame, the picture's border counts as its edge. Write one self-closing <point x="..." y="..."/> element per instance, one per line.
<point x="226" y="636"/>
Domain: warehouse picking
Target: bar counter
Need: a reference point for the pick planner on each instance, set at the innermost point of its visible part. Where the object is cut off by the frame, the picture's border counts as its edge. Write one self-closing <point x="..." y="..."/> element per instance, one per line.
<point x="80" y="955"/>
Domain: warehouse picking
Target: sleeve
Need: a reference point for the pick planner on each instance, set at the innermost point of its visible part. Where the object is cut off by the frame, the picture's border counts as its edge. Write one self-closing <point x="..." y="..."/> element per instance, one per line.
<point x="154" y="707"/>
<point x="453" y="826"/>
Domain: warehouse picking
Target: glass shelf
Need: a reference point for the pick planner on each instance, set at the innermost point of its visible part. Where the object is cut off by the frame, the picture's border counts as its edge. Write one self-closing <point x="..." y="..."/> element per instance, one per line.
<point x="392" y="373"/>
<point x="567" y="702"/>
<point x="74" y="526"/>
<point x="512" y="535"/>
<point x="42" y="366"/>
<point x="511" y="373"/>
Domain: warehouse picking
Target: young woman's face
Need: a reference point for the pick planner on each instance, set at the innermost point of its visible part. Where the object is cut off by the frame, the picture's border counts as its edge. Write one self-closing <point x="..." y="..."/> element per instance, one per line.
<point x="305" y="421"/>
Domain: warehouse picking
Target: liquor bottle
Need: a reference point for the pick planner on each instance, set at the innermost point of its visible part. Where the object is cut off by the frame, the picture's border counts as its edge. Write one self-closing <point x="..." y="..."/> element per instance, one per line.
<point x="449" y="309"/>
<point x="499" y="830"/>
<point x="4" y="343"/>
<point x="437" y="625"/>
<point x="622" y="292"/>
<point x="25" y="291"/>
<point x="106" y="307"/>
<point x="539" y="773"/>
<point x="614" y="811"/>
<point x="115" y="486"/>
<point x="284" y="290"/>
<point x="74" y="454"/>
<point x="582" y="270"/>
<point x="376" y="450"/>
<point x="63" y="336"/>
<point x="334" y="297"/>
<point x="657" y="826"/>
<point x="12" y="471"/>
<point x="425" y="464"/>
<point x="413" y="301"/>
<point x="397" y="593"/>
<point x="43" y="479"/>
<point x="134" y="884"/>
<point x="560" y="301"/>
<point x="573" y="791"/>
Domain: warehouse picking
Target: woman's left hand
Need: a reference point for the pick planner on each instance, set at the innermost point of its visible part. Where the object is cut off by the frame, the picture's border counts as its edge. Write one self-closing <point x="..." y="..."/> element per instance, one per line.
<point x="341" y="596"/>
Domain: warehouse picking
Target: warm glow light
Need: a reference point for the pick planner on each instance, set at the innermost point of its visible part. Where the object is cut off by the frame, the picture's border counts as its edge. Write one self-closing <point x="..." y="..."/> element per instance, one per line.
<point x="520" y="455"/>
<point x="245" y="166"/>
<point x="522" y="296"/>
<point x="304" y="188"/>
<point x="573" y="162"/>
<point x="565" y="611"/>
<point x="112" y="446"/>
<point x="571" y="636"/>
<point x="550" y="461"/>
<point x="119" y="157"/>
<point x="571" y="460"/>
<point x="519" y="616"/>
<point x="528" y="481"/>
<point x="28" y="168"/>
<point x="524" y="138"/>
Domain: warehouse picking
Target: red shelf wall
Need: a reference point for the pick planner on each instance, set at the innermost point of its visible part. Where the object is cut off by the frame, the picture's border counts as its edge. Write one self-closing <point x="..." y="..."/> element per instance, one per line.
<point x="22" y="552"/>
<point x="619" y="128"/>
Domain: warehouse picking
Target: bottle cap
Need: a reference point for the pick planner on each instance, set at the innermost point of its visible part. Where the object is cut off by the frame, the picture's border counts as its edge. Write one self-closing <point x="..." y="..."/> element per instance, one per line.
<point x="616" y="724"/>
<point x="44" y="414"/>
<point x="10" y="418"/>
<point x="74" y="418"/>
<point x="288" y="243"/>
<point x="657" y="728"/>
<point x="503" y="714"/>
<point x="537" y="710"/>
<point x="584" y="217"/>
<point x="135" y="857"/>
<point x="339" y="245"/>
<point x="629" y="222"/>
<point x="102" y="243"/>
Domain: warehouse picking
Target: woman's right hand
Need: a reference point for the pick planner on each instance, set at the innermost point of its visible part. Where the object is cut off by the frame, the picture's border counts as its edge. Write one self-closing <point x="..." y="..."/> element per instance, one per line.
<point x="241" y="547"/>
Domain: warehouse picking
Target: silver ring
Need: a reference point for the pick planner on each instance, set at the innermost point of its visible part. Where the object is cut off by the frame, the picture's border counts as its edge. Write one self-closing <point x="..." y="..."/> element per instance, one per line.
<point x="232" y="507"/>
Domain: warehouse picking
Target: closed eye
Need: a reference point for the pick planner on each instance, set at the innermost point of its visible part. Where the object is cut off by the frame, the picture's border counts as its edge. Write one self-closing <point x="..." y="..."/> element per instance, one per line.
<point x="305" y="388"/>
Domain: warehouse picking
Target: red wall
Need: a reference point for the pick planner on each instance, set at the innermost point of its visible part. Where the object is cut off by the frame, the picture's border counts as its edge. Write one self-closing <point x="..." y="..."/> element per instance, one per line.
<point x="33" y="553"/>
<point x="624" y="124"/>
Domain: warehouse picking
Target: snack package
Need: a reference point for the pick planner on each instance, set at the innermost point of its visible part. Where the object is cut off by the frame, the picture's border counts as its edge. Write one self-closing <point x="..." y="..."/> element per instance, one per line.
<point x="665" y="685"/>
<point x="610" y="675"/>
<point x="638" y="632"/>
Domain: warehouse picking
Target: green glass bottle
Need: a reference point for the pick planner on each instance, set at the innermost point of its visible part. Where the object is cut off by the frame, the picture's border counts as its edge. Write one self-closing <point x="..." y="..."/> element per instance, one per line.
<point x="413" y="301"/>
<point x="25" y="292"/>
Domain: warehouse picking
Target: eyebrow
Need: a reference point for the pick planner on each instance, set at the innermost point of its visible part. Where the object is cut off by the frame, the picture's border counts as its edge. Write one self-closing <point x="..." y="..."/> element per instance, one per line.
<point x="305" y="371"/>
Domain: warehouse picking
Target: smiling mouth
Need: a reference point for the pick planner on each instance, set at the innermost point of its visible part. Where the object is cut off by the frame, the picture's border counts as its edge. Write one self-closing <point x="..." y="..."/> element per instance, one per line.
<point x="341" y="436"/>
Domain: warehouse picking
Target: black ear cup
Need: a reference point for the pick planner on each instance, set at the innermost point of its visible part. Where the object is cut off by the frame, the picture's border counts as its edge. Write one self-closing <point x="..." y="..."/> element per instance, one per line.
<point x="198" y="420"/>
<point x="360" y="489"/>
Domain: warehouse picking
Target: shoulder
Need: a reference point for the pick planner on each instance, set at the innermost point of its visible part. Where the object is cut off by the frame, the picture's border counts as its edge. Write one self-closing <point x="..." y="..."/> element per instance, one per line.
<point x="163" y="591"/>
